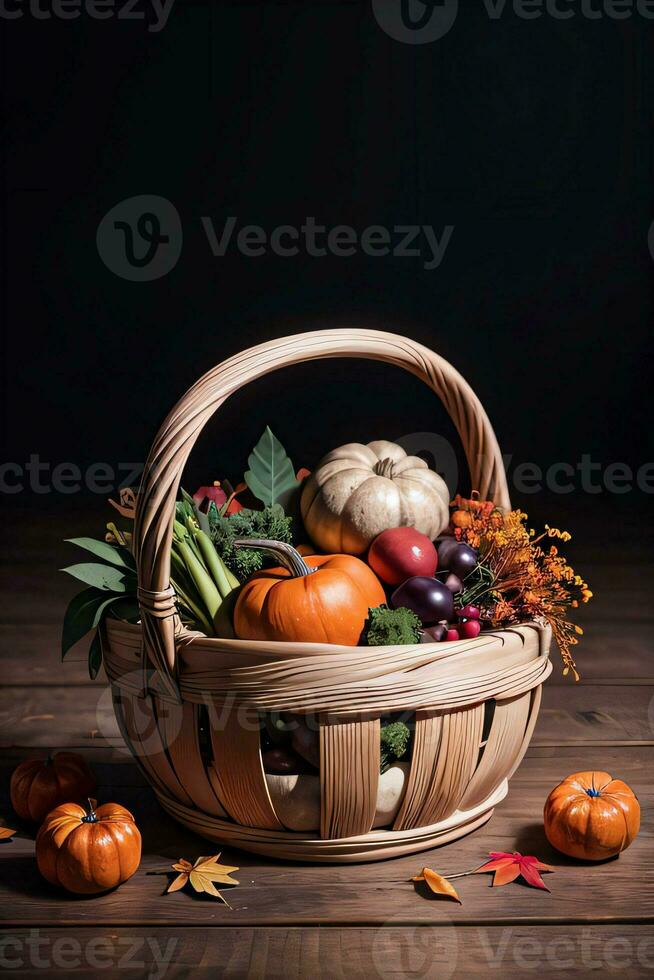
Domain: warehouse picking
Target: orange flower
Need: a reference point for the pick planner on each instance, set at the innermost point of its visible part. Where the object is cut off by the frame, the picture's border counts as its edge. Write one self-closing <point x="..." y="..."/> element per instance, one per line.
<point x="521" y="580"/>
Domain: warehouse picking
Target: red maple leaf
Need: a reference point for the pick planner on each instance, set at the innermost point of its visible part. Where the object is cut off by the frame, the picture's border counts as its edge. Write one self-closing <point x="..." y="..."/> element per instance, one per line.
<point x="508" y="867"/>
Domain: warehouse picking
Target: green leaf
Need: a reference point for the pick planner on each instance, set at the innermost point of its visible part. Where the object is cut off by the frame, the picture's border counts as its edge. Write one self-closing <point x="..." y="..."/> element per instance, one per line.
<point x="271" y="476"/>
<point x="95" y="656"/>
<point x="84" y="612"/>
<point x="101" y="549"/>
<point x="100" y="576"/>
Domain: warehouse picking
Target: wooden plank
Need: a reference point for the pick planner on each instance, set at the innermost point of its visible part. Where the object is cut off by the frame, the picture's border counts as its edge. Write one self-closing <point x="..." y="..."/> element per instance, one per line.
<point x="610" y="650"/>
<point x="59" y="717"/>
<point x="30" y="653"/>
<point x="436" y="951"/>
<point x="584" y="714"/>
<point x="280" y="893"/>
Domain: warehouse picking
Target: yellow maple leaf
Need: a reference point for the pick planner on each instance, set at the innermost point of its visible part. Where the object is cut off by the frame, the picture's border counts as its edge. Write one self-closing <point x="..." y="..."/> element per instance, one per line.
<point x="203" y="876"/>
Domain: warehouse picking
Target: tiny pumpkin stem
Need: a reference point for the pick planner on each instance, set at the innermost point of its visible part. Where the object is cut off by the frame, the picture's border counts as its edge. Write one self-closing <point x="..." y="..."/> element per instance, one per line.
<point x="284" y="553"/>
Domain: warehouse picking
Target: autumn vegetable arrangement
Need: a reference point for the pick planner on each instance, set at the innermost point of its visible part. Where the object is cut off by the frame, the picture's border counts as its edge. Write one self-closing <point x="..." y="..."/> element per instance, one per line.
<point x="365" y="550"/>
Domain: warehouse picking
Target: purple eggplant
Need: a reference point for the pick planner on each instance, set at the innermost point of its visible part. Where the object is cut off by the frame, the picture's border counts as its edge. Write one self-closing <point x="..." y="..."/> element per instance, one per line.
<point x="455" y="556"/>
<point x="444" y="549"/>
<point x="463" y="560"/>
<point x="429" y="599"/>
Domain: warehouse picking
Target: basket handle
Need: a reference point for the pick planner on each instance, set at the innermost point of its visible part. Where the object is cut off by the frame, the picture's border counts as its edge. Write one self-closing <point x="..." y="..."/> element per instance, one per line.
<point x="163" y="468"/>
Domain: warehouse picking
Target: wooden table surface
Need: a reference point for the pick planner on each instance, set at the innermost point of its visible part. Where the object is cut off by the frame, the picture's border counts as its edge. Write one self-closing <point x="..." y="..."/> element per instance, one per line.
<point x="363" y="921"/>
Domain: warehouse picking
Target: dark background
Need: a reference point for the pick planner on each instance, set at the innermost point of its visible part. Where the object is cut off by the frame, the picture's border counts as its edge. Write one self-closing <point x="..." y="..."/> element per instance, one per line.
<point x="532" y="138"/>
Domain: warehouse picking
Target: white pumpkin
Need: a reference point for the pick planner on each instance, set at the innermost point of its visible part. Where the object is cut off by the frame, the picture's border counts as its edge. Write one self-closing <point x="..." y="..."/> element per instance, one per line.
<point x="358" y="491"/>
<point x="296" y="799"/>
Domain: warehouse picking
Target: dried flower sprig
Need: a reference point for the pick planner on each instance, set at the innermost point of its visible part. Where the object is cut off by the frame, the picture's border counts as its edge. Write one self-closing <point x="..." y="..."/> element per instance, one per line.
<point x="521" y="575"/>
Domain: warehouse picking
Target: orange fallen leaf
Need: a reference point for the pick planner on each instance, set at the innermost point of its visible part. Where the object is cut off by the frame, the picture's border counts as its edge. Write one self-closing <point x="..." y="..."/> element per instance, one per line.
<point x="203" y="876"/>
<point x="438" y="884"/>
<point x="6" y="833"/>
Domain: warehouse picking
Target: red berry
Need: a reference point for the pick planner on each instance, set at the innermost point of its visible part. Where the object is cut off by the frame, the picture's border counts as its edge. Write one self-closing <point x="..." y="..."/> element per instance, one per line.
<point x="469" y="630"/>
<point x="452" y="635"/>
<point x="469" y="612"/>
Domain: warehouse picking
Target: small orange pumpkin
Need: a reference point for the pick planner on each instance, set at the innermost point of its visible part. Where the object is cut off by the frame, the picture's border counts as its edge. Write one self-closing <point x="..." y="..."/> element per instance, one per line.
<point x="88" y="853"/>
<point x="38" y="785"/>
<point x="324" y="599"/>
<point x="591" y="816"/>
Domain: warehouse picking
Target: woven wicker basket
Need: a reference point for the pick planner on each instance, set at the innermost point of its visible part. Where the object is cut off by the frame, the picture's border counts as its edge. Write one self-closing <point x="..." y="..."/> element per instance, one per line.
<point x="188" y="705"/>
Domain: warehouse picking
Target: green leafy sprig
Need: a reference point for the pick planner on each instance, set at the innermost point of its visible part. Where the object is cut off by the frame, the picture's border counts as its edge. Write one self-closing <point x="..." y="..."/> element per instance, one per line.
<point x="112" y="591"/>
<point x="270" y="523"/>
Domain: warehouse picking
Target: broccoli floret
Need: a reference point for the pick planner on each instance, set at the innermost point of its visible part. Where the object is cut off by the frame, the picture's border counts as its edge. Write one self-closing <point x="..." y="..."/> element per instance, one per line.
<point x="270" y="523"/>
<point x="391" y="627"/>
<point x="394" y="741"/>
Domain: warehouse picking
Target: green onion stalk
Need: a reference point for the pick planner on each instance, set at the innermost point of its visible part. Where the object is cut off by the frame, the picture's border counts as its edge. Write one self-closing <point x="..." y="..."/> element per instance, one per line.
<point x="199" y="576"/>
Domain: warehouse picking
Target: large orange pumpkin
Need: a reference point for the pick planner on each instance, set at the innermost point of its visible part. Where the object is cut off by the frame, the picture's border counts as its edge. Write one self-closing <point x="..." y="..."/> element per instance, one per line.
<point x="324" y="599"/>
<point x="88" y="852"/>
<point x="38" y="785"/>
<point x="591" y="816"/>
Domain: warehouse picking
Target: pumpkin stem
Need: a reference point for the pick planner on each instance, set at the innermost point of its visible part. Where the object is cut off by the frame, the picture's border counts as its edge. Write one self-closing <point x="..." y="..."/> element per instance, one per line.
<point x="91" y="816"/>
<point x="593" y="792"/>
<point x="384" y="467"/>
<point x="284" y="553"/>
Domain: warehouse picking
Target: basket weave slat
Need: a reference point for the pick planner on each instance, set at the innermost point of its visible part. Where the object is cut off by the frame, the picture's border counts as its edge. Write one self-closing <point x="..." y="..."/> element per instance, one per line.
<point x="502" y="746"/>
<point x="178" y="724"/>
<point x="144" y="738"/>
<point x="536" y="698"/>
<point x="166" y="679"/>
<point x="349" y="776"/>
<point x="239" y="770"/>
<point x="458" y="750"/>
<point x="422" y="775"/>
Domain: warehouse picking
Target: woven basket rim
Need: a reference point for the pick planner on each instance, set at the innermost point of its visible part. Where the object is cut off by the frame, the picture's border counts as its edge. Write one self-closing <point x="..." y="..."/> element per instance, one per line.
<point x="221" y="643"/>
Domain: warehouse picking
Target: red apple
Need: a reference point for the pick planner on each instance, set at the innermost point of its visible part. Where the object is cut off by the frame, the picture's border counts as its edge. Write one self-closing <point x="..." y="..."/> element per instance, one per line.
<point x="401" y="553"/>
